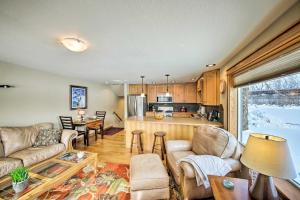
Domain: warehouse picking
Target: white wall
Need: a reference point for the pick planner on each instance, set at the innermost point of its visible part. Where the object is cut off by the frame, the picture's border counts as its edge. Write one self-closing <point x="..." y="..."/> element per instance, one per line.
<point x="41" y="97"/>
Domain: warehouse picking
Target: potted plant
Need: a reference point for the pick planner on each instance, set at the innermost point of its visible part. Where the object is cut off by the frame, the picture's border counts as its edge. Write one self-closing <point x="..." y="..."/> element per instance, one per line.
<point x="19" y="177"/>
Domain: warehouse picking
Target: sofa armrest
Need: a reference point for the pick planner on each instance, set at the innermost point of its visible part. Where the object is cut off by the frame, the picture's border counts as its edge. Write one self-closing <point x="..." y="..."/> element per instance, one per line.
<point x="178" y="145"/>
<point x="187" y="170"/>
<point x="66" y="138"/>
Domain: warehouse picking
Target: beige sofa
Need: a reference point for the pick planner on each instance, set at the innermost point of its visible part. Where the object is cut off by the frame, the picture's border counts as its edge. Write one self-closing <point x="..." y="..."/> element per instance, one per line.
<point x="16" y="146"/>
<point x="207" y="140"/>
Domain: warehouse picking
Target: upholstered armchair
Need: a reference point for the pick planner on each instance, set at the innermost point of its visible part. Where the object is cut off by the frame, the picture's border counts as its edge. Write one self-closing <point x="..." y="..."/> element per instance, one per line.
<point x="207" y="140"/>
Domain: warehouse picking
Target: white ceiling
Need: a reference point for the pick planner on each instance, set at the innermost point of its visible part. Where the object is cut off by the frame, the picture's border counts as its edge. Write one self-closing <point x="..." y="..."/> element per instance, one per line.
<point x="128" y="38"/>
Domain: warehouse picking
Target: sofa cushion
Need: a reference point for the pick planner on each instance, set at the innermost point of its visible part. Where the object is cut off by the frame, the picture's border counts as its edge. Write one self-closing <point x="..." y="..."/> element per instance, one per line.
<point x="1" y="149"/>
<point x="147" y="172"/>
<point x="8" y="164"/>
<point x="47" y="137"/>
<point x="45" y="125"/>
<point x="210" y="140"/>
<point x="34" y="155"/>
<point x="17" y="138"/>
<point x="172" y="159"/>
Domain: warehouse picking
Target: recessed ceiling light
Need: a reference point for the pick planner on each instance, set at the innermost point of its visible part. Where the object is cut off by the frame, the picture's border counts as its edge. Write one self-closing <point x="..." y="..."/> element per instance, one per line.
<point x="74" y="44"/>
<point x="210" y="65"/>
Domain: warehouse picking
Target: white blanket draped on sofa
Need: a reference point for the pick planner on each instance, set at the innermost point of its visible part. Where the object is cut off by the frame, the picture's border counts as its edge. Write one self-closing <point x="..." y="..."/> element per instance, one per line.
<point x="205" y="165"/>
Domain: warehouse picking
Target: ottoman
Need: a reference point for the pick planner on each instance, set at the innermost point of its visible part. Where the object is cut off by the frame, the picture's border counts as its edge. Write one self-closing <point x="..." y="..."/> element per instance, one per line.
<point x="148" y="178"/>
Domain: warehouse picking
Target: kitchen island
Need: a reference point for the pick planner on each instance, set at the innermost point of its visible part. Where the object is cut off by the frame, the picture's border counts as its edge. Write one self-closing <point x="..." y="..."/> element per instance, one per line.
<point x="176" y="128"/>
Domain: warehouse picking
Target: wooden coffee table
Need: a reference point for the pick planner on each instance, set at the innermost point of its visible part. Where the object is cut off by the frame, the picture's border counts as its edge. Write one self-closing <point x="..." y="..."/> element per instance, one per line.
<point x="240" y="190"/>
<point x="48" y="174"/>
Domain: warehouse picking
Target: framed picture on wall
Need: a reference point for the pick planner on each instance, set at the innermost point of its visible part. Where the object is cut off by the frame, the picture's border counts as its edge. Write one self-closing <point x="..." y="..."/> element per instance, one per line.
<point x="78" y="97"/>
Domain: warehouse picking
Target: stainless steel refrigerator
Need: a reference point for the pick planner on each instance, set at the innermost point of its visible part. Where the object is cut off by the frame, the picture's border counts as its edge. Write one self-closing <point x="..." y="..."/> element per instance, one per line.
<point x="136" y="105"/>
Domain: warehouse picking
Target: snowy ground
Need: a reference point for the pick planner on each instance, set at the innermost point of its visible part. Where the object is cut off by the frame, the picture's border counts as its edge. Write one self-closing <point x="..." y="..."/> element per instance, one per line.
<point x="280" y="121"/>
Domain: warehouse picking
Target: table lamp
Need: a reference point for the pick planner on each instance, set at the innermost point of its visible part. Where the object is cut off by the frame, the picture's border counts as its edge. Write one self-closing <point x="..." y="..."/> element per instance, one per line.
<point x="270" y="157"/>
<point x="81" y="113"/>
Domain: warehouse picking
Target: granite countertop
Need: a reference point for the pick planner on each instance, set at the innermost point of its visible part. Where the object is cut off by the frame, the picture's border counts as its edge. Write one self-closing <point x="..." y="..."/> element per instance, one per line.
<point x="177" y="120"/>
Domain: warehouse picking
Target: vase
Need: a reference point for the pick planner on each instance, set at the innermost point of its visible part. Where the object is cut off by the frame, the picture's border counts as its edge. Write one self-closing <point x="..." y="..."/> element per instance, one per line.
<point x="20" y="186"/>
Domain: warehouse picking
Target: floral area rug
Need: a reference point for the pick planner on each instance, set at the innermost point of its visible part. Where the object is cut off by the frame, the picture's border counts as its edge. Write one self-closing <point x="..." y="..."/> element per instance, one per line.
<point x="111" y="182"/>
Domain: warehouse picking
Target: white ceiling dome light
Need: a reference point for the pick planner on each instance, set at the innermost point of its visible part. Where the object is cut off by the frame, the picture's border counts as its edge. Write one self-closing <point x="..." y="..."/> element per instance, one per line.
<point x="74" y="44"/>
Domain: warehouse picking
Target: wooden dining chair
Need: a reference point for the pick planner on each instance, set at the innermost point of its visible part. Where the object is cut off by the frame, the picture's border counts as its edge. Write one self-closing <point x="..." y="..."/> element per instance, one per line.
<point x="67" y="123"/>
<point x="101" y="115"/>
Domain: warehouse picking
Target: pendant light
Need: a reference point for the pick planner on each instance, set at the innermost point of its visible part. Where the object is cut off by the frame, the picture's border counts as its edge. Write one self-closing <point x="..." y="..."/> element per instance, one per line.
<point x="142" y="94"/>
<point x="167" y="93"/>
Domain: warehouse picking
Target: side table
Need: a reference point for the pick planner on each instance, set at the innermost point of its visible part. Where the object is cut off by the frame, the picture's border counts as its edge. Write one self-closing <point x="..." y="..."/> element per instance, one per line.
<point x="239" y="192"/>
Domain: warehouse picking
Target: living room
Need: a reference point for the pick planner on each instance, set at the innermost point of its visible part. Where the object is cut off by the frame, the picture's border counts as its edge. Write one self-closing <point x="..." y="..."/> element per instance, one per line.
<point x="96" y="94"/>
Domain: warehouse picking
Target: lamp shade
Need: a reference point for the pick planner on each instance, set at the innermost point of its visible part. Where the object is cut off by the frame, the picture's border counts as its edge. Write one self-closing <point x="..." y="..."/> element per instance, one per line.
<point x="81" y="112"/>
<point x="269" y="155"/>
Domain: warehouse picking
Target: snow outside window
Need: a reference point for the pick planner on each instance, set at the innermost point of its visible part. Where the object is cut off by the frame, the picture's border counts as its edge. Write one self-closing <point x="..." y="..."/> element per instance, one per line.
<point x="272" y="107"/>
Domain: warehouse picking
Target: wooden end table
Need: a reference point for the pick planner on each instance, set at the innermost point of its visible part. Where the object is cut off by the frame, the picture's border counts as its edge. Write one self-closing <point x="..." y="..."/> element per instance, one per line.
<point x="240" y="190"/>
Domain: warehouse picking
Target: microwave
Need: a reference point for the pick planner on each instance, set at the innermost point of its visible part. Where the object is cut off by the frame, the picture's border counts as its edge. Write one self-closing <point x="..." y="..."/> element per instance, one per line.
<point x="164" y="99"/>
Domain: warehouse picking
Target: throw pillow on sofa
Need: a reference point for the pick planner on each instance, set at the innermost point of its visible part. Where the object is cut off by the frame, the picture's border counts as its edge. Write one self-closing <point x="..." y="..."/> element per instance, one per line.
<point x="47" y="137"/>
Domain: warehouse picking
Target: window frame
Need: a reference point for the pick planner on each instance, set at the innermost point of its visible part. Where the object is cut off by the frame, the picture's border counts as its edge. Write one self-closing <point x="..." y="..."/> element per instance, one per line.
<point x="239" y="121"/>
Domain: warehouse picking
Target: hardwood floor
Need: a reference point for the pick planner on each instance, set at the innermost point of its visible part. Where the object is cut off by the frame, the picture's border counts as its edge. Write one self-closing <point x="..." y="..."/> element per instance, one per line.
<point x="110" y="149"/>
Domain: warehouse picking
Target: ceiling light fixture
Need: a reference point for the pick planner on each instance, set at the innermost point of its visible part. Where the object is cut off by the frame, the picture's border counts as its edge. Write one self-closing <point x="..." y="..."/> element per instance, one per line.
<point x="142" y="94"/>
<point x="210" y="65"/>
<point x="74" y="44"/>
<point x="167" y="93"/>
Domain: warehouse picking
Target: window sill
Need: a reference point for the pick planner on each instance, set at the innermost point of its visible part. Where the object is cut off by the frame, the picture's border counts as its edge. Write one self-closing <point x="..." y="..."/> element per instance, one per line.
<point x="287" y="189"/>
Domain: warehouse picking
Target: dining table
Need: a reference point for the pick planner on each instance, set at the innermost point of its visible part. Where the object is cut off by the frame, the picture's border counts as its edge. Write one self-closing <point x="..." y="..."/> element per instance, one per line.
<point x="90" y="124"/>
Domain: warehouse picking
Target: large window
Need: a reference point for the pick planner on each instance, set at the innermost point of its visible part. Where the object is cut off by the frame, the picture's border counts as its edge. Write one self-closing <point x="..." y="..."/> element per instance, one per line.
<point x="272" y="107"/>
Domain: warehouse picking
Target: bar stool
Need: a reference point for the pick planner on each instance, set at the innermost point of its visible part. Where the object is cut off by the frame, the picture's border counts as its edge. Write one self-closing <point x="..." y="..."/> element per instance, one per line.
<point x="161" y="135"/>
<point x="138" y="134"/>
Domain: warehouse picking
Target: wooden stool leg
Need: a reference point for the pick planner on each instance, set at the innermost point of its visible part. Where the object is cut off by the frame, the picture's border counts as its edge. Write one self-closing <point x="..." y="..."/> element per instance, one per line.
<point x="139" y="143"/>
<point x="162" y="148"/>
<point x="142" y="146"/>
<point x="153" y="143"/>
<point x="164" y="144"/>
<point x="131" y="145"/>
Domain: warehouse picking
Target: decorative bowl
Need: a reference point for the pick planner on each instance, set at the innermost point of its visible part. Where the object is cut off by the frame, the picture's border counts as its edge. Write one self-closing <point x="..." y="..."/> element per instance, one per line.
<point x="228" y="184"/>
<point x="80" y="154"/>
<point x="159" y="115"/>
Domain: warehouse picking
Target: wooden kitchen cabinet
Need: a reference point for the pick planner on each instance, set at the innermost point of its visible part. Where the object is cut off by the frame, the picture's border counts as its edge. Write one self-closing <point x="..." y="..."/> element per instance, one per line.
<point x="200" y="90"/>
<point x="161" y="89"/>
<point x="209" y="94"/>
<point x="199" y="85"/>
<point x="178" y="94"/>
<point x="190" y="95"/>
<point x="136" y="89"/>
<point x="151" y="94"/>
